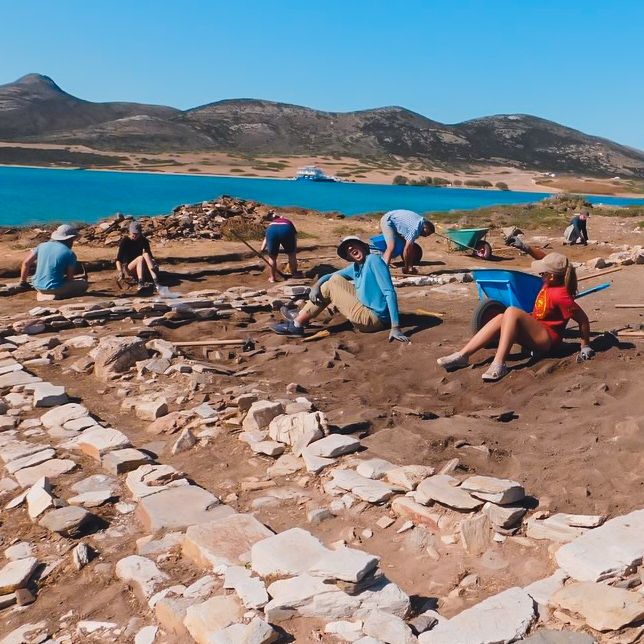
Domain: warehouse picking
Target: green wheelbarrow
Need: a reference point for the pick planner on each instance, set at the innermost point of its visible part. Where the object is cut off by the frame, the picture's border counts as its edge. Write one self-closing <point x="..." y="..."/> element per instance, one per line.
<point x="472" y="239"/>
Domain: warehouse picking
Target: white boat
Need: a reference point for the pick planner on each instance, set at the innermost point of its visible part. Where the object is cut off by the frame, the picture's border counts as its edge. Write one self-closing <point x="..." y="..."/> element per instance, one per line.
<point x="312" y="173"/>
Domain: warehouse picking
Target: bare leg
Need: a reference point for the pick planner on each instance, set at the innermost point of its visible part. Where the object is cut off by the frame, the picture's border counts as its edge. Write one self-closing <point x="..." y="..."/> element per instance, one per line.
<point x="483" y="337"/>
<point x="292" y="263"/>
<point x="519" y="326"/>
<point x="272" y="263"/>
<point x="136" y="268"/>
<point x="148" y="261"/>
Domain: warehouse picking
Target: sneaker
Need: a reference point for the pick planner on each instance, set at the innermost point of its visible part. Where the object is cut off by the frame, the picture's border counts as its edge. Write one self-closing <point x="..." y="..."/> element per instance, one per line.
<point x="453" y="361"/>
<point x="288" y="328"/>
<point x="289" y="312"/>
<point x="495" y="372"/>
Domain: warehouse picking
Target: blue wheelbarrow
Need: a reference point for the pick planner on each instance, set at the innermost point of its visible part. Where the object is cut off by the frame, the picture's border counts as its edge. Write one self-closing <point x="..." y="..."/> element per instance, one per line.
<point x="379" y="244"/>
<point x="499" y="289"/>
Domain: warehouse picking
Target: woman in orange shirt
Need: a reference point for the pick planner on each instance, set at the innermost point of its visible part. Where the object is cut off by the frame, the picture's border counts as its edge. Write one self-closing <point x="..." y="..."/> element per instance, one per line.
<point x="540" y="331"/>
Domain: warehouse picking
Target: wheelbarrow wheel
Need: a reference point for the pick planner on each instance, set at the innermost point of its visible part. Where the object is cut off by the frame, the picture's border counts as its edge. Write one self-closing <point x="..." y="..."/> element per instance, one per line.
<point x="483" y="250"/>
<point x="486" y="310"/>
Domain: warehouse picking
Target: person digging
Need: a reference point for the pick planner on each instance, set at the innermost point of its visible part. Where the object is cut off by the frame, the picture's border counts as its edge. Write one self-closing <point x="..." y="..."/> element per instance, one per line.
<point x="543" y="329"/>
<point x="362" y="292"/>
<point x="408" y="225"/>
<point x="577" y="231"/>
<point x="134" y="259"/>
<point x="280" y="233"/>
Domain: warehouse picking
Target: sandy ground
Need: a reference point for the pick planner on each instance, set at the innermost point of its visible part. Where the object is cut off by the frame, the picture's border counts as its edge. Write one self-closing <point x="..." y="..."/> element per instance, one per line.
<point x="348" y="169"/>
<point x="562" y="445"/>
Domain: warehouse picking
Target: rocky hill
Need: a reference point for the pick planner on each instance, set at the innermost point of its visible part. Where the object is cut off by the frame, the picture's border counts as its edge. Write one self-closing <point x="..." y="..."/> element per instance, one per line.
<point x="35" y="109"/>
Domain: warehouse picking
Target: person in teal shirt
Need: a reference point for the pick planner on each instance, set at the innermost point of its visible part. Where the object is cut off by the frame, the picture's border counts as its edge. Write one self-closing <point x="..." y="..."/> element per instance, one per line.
<point x="362" y="292"/>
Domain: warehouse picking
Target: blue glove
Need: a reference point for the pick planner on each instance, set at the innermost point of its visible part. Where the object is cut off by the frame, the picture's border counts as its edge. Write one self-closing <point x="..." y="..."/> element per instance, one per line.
<point x="397" y="334"/>
<point x="315" y="295"/>
<point x="586" y="353"/>
<point x="517" y="242"/>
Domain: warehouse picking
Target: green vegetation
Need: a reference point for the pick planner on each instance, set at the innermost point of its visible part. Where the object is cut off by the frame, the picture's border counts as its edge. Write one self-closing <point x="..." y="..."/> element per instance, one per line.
<point x="236" y="170"/>
<point x="478" y="183"/>
<point x="400" y="180"/>
<point x="501" y="185"/>
<point x="457" y="182"/>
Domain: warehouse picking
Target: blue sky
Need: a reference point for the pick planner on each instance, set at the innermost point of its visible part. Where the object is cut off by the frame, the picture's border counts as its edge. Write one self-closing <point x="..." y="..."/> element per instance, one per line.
<point x="578" y="62"/>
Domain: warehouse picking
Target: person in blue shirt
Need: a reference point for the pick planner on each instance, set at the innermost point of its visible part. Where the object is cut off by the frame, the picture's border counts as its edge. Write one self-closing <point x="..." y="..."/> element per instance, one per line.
<point x="407" y="225"/>
<point x="55" y="263"/>
<point x="362" y="292"/>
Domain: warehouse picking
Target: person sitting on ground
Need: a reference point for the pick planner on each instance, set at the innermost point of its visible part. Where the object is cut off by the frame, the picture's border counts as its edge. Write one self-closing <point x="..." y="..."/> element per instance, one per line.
<point x="280" y="232"/>
<point x="55" y="263"/>
<point x="362" y="292"/>
<point x="577" y="230"/>
<point x="134" y="258"/>
<point x="540" y="331"/>
<point x="409" y="226"/>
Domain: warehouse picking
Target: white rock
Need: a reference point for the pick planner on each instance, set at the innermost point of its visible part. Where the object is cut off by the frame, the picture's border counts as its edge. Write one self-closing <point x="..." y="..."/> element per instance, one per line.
<point x="374" y="468"/>
<point x="365" y="489"/>
<point x="186" y="441"/>
<point x="141" y="574"/>
<point x="30" y="460"/>
<point x="346" y="564"/>
<point x="257" y="631"/>
<point x="553" y="528"/>
<point x="51" y="469"/>
<point x="388" y="628"/>
<point x="488" y="488"/>
<point x="345" y="630"/>
<point x="16" y="574"/>
<point x="250" y="590"/>
<point x="297" y="430"/>
<point x="151" y="409"/>
<point x="39" y="499"/>
<point x="333" y="445"/>
<point x="20" y="550"/>
<point x="217" y="613"/>
<point x="100" y="440"/>
<point x="87" y="627"/>
<point x="442" y="489"/>
<point x="48" y="395"/>
<point x="270" y="448"/>
<point x="386" y="596"/>
<point x="543" y="589"/>
<point x="605" y="552"/>
<point x="260" y="414"/>
<point x="500" y="619"/>
<point x="58" y="416"/>
<point x="146" y="635"/>
<point x="408" y="476"/>
<point x="288" y="553"/>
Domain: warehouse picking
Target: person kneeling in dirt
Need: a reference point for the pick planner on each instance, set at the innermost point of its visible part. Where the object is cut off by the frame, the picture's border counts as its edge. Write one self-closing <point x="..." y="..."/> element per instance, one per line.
<point x="409" y="226"/>
<point x="280" y="232"/>
<point x="540" y="331"/>
<point x="134" y="259"/>
<point x="577" y="230"/>
<point x="55" y="263"/>
<point x="362" y="292"/>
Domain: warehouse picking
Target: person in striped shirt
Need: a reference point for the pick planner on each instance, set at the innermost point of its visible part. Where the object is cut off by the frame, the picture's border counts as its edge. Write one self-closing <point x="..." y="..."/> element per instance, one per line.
<point x="408" y="225"/>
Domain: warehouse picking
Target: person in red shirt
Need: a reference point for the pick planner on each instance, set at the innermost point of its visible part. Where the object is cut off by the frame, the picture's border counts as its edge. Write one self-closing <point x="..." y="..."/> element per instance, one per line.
<point x="540" y="331"/>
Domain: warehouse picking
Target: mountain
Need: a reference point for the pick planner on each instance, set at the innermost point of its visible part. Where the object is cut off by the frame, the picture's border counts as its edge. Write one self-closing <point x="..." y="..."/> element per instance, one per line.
<point x="35" y="109"/>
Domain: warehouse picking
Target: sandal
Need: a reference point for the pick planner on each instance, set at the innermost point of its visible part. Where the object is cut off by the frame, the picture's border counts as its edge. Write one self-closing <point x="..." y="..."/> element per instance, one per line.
<point x="453" y="361"/>
<point x="495" y="372"/>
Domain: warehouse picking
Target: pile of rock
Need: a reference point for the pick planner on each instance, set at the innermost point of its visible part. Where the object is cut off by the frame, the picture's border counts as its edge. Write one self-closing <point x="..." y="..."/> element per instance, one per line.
<point x="627" y="256"/>
<point x="205" y="220"/>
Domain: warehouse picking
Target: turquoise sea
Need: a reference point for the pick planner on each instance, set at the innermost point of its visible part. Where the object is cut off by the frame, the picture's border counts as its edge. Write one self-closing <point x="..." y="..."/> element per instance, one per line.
<point x="39" y="195"/>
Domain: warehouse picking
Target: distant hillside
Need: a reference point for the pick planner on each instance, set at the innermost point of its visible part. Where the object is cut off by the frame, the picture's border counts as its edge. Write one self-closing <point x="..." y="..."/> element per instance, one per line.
<point x="35" y="109"/>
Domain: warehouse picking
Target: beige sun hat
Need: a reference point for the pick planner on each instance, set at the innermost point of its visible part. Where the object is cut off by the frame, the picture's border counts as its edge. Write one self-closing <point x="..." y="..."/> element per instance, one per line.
<point x="64" y="232"/>
<point x="554" y="263"/>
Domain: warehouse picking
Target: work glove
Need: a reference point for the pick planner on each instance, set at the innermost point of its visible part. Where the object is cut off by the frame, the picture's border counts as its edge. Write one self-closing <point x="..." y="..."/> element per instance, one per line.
<point x="412" y="270"/>
<point x="24" y="284"/>
<point x="397" y="334"/>
<point x="517" y="242"/>
<point x="586" y="353"/>
<point x="315" y="295"/>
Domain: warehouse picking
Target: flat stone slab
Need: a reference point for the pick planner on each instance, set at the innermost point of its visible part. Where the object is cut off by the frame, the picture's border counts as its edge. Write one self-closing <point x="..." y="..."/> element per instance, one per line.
<point x="345" y="564"/>
<point x="333" y="445"/>
<point x="543" y="589"/>
<point x="308" y="596"/>
<point x="152" y="478"/>
<point x="605" y="552"/>
<point x="51" y="469"/>
<point x="296" y="430"/>
<point x="291" y="552"/>
<point x="180" y="507"/>
<point x="260" y="414"/>
<point x="250" y="590"/>
<point x="141" y="574"/>
<point x="100" y="440"/>
<point x="489" y="488"/>
<point x="559" y="637"/>
<point x="257" y="631"/>
<point x="125" y="460"/>
<point x="374" y="468"/>
<point x="388" y="628"/>
<point x="500" y="619"/>
<point x="14" y="449"/>
<point x="364" y="488"/>
<point x="603" y="607"/>
<point x="48" y="395"/>
<point x="553" y="528"/>
<point x="16" y="574"/>
<point x="68" y="521"/>
<point x="96" y="483"/>
<point x="58" y="416"/>
<point x="91" y="499"/>
<point x="408" y="477"/>
<point x="443" y="489"/>
<point x="14" y="378"/>
<point x="225" y="542"/>
<point x="204" y="620"/>
<point x="30" y="460"/>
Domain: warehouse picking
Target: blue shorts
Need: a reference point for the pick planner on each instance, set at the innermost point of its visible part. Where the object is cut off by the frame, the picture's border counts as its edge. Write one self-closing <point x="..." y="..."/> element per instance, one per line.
<point x="282" y="235"/>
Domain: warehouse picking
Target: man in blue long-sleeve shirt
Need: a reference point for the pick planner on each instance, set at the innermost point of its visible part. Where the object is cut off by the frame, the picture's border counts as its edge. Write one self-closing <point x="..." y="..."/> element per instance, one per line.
<point x="362" y="292"/>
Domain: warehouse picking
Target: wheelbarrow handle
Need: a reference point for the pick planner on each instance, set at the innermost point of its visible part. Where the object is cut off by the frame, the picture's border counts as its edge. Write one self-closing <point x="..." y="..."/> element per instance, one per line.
<point x="594" y="289"/>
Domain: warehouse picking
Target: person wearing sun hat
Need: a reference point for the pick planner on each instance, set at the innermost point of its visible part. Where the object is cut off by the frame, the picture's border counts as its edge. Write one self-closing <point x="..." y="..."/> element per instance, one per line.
<point x="362" y="292"/>
<point x="55" y="263"/>
<point x="540" y="331"/>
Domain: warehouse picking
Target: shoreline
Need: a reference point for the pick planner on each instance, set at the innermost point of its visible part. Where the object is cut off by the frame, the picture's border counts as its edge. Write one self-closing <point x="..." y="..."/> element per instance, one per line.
<point x="537" y="188"/>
